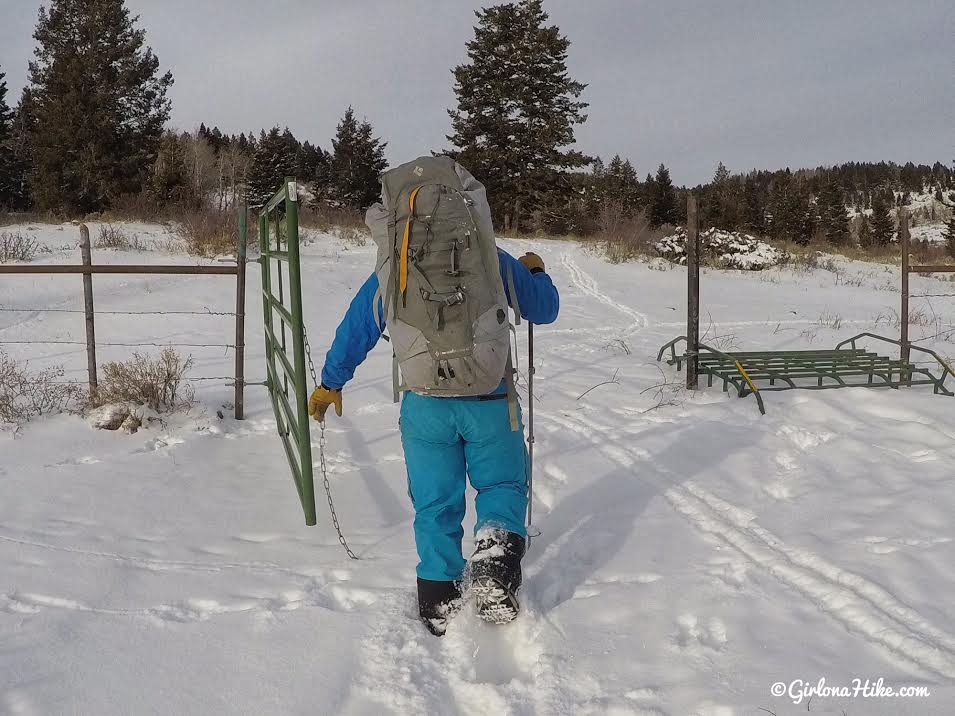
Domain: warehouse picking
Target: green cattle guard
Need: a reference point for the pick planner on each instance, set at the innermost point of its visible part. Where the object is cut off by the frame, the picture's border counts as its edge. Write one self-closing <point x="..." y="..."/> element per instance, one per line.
<point x="287" y="377"/>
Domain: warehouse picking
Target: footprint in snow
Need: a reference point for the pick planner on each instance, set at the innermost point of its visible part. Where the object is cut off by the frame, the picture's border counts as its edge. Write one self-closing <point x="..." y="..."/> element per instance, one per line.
<point x="888" y="545"/>
<point x="160" y="443"/>
<point x="87" y="460"/>
<point x="692" y="632"/>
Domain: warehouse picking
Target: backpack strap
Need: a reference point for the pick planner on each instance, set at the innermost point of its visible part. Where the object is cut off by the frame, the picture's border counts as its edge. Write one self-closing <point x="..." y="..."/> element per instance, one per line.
<point x="511" y="394"/>
<point x="515" y="304"/>
<point x="395" y="381"/>
<point x="405" y="241"/>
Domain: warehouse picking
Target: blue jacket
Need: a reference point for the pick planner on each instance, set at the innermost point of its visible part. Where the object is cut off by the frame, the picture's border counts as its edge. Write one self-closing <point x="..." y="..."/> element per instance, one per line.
<point x="361" y="327"/>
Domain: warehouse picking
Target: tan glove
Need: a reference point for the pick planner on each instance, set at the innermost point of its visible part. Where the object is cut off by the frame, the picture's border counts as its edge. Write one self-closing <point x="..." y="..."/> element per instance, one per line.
<point x="321" y="398"/>
<point x="532" y="261"/>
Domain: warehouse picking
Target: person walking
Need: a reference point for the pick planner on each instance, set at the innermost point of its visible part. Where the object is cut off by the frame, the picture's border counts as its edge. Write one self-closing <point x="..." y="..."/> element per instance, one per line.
<point x="442" y="289"/>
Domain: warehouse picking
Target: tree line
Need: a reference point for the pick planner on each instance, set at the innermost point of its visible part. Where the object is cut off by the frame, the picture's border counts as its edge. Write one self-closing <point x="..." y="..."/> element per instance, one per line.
<point x="90" y="132"/>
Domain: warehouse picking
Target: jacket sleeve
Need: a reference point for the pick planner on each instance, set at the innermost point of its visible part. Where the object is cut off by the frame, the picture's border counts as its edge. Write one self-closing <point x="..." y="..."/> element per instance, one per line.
<point x="357" y="334"/>
<point x="536" y="294"/>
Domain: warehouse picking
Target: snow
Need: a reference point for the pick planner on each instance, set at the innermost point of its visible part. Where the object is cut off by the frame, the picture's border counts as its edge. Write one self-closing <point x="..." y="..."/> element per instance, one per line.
<point x="933" y="233"/>
<point x="692" y="553"/>
<point x="730" y="249"/>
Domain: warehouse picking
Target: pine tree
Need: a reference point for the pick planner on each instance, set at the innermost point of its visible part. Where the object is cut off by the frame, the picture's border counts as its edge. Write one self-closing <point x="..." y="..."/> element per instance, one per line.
<point x="169" y="183"/>
<point x="517" y="108"/>
<point x="950" y="237"/>
<point x="7" y="181"/>
<point x="790" y="210"/>
<point x="358" y="158"/>
<point x="865" y="232"/>
<point x="662" y="199"/>
<point x="833" y="217"/>
<point x="754" y="206"/>
<point x="274" y="160"/>
<point x="629" y="187"/>
<point x="98" y="105"/>
<point x="883" y="227"/>
<point x="724" y="211"/>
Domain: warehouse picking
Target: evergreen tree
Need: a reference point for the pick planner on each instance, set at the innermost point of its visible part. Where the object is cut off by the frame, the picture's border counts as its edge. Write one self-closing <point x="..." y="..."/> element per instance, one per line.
<point x="19" y="156"/>
<point x="865" y="232"/>
<point x="98" y="105"/>
<point x="754" y="206"/>
<point x="629" y="187"/>
<point x="596" y="188"/>
<point x="662" y="199"/>
<point x="790" y="210"/>
<point x="7" y="180"/>
<point x="358" y="158"/>
<point x="950" y="237"/>
<point x="724" y="210"/>
<point x="274" y="160"/>
<point x="169" y="183"/>
<point x="517" y="107"/>
<point x="883" y="227"/>
<point x="833" y="217"/>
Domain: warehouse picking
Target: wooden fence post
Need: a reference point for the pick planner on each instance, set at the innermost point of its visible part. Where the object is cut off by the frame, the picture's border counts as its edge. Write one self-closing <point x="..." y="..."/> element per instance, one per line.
<point x="86" y="250"/>
<point x="693" y="294"/>
<point x="240" y="315"/>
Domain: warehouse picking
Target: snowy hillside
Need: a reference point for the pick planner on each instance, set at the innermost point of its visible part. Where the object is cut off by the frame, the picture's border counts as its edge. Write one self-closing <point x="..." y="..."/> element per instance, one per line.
<point x="692" y="553"/>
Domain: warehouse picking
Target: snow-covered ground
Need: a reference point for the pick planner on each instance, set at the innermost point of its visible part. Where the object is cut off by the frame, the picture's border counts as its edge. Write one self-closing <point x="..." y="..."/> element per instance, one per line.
<point x="692" y="553"/>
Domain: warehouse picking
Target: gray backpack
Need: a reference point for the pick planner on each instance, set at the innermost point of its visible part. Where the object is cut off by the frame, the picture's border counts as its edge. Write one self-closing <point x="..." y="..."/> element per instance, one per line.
<point x="440" y="282"/>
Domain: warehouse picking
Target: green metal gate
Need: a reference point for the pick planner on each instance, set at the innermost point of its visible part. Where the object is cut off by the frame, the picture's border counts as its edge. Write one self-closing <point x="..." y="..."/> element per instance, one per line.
<point x="285" y="350"/>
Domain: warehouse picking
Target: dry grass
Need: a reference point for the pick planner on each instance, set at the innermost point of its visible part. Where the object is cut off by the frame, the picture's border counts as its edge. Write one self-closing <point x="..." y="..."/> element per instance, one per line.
<point x="25" y="395"/>
<point x="209" y="233"/>
<point x="155" y="382"/>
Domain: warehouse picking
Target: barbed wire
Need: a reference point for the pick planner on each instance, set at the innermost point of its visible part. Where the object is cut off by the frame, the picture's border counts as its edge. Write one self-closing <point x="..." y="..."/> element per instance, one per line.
<point x="932" y="295"/>
<point x="119" y="345"/>
<point x="207" y="312"/>
<point x="199" y="379"/>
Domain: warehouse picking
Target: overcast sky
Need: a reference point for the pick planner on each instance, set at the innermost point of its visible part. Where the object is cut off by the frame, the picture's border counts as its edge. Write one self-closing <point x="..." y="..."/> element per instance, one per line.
<point x="767" y="84"/>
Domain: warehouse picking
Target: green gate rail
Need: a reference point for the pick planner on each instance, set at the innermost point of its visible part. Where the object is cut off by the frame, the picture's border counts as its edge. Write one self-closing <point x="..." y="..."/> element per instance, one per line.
<point x="287" y="377"/>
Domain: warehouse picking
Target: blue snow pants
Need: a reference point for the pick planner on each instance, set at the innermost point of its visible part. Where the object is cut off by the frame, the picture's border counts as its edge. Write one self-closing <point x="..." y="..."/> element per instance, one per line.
<point x="449" y="440"/>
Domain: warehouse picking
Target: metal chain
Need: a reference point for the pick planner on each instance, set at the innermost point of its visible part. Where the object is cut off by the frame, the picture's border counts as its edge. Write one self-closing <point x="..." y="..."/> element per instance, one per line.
<point x="321" y="454"/>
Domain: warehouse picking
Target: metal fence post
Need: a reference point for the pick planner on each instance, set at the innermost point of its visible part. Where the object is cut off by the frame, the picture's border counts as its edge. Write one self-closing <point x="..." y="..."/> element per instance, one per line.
<point x="87" y="252"/>
<point x="693" y="294"/>
<point x="240" y="257"/>
<point x="904" y="237"/>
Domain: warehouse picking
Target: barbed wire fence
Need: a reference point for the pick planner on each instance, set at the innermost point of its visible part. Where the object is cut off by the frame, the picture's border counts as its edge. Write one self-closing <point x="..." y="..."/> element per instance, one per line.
<point x="87" y="269"/>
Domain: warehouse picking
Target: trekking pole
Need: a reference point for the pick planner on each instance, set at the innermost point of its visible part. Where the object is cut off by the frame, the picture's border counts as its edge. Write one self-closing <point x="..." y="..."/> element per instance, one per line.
<point x="530" y="432"/>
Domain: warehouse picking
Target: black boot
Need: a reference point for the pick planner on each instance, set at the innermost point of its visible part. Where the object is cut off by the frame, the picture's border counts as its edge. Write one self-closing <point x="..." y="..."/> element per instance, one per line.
<point x="496" y="574"/>
<point x="437" y="603"/>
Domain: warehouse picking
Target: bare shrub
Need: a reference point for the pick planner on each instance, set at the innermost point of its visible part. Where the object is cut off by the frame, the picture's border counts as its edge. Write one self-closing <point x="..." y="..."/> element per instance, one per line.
<point x="324" y="217"/>
<point x="354" y="237"/>
<point x="625" y="236"/>
<point x="801" y="263"/>
<point x="113" y="236"/>
<point x="155" y="382"/>
<point x="15" y="246"/>
<point x="141" y="206"/>
<point x="25" y="395"/>
<point x="208" y="232"/>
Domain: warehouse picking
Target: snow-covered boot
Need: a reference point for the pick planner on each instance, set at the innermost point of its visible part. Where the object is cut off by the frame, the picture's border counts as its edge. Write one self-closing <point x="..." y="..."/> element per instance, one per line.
<point x="438" y="602"/>
<point x="495" y="574"/>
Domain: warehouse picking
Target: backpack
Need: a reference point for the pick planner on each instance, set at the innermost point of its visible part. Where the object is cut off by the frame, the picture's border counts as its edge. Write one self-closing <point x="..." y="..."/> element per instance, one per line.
<point x="440" y="283"/>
